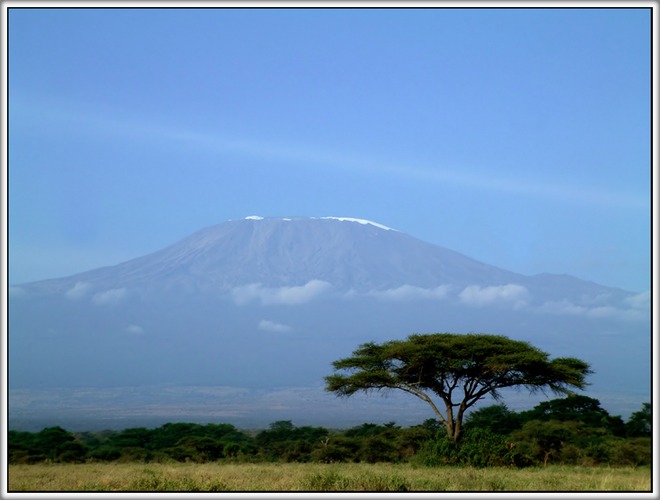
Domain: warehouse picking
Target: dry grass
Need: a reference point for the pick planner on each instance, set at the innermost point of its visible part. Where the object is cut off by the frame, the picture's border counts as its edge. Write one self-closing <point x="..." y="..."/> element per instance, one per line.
<point x="319" y="477"/>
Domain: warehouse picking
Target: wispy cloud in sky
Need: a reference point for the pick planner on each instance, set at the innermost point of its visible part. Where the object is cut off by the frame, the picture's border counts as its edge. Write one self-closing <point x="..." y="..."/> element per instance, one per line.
<point x="455" y="175"/>
<point x="273" y="326"/>
<point x="128" y="127"/>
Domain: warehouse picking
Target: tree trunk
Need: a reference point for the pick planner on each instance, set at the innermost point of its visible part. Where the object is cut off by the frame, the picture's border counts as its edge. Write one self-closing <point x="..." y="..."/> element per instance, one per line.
<point x="458" y="431"/>
<point x="546" y="456"/>
<point x="453" y="425"/>
<point x="458" y="424"/>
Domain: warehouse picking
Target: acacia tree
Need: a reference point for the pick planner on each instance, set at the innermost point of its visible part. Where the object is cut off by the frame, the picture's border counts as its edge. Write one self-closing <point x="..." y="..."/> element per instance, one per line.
<point x="458" y="369"/>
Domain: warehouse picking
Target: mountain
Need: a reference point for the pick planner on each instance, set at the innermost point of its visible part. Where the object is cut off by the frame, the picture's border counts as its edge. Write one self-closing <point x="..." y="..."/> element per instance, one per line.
<point x="264" y="303"/>
<point x="280" y="252"/>
<point x="344" y="253"/>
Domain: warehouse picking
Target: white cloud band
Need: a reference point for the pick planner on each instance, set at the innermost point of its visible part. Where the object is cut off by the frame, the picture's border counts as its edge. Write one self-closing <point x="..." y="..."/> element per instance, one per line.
<point x="410" y="292"/>
<point x="287" y="295"/>
<point x="475" y="295"/>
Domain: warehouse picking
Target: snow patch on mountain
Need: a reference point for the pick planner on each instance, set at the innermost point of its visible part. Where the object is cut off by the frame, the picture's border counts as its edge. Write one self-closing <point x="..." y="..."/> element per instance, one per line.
<point x="360" y="221"/>
<point x="341" y="219"/>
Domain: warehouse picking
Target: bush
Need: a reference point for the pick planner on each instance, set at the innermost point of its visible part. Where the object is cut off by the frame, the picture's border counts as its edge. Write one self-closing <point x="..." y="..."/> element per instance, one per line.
<point x="478" y="448"/>
<point x="336" y="449"/>
<point x="497" y="419"/>
<point x="632" y="452"/>
<point x="377" y="449"/>
<point x="589" y="440"/>
<point x="483" y="448"/>
<point x="105" y="453"/>
<point x="133" y="454"/>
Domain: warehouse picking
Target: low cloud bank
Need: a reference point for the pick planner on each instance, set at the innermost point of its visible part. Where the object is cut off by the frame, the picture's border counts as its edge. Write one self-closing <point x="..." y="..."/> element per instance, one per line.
<point x="410" y="292"/>
<point x="78" y="291"/>
<point x="514" y="295"/>
<point x="287" y="295"/>
<point x="109" y="296"/>
<point x="636" y="313"/>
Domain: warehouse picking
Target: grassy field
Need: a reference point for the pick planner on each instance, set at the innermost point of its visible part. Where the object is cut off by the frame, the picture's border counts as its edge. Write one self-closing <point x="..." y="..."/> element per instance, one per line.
<point x="319" y="477"/>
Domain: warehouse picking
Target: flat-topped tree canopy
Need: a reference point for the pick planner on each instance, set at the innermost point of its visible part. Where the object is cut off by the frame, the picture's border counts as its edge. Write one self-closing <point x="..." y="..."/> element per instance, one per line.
<point x="460" y="369"/>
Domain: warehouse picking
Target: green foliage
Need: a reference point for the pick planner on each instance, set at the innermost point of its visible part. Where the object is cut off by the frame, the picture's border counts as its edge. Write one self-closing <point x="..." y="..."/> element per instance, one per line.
<point x="544" y="441"/>
<point x="336" y="448"/>
<point x="576" y="408"/>
<point x="640" y="422"/>
<point x="284" y="441"/>
<point x="52" y="444"/>
<point x="569" y="431"/>
<point x="105" y="453"/>
<point x="497" y="419"/>
<point x="634" y="451"/>
<point x="137" y="437"/>
<point x="478" y="448"/>
<point x="178" y="441"/>
<point x="483" y="448"/>
<point x="377" y="449"/>
<point x="457" y="369"/>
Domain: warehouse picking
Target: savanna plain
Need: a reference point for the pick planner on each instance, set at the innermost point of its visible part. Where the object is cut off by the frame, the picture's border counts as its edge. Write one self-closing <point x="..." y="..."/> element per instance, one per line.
<point x="565" y="444"/>
<point x="219" y="477"/>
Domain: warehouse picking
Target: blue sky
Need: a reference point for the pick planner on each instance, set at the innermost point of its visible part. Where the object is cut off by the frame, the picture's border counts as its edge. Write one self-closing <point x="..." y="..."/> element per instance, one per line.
<point x="519" y="137"/>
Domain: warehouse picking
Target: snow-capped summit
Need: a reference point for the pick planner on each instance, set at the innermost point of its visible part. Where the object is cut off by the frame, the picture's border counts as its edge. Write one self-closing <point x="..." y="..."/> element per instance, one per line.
<point x="361" y="221"/>
<point x="341" y="219"/>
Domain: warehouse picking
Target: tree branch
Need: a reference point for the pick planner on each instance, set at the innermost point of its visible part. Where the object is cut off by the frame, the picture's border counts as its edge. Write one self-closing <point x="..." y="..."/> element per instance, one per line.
<point x="410" y="389"/>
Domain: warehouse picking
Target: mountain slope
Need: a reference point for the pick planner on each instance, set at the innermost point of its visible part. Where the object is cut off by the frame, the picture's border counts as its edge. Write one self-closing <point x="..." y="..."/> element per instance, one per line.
<point x="262" y="303"/>
<point x="347" y="254"/>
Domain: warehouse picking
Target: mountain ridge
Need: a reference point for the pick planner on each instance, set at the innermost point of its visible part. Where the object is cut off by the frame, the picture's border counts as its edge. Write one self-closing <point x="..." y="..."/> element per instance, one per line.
<point x="347" y="253"/>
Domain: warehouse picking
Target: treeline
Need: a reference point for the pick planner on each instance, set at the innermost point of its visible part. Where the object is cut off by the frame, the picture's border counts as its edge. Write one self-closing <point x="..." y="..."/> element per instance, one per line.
<point x="572" y="430"/>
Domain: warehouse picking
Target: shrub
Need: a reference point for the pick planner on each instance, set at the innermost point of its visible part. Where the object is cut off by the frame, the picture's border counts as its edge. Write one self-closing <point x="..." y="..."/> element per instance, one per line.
<point x="632" y="452"/>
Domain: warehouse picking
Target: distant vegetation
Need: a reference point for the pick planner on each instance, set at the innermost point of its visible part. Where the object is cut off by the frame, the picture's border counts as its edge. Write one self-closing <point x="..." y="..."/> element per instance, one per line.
<point x="569" y="431"/>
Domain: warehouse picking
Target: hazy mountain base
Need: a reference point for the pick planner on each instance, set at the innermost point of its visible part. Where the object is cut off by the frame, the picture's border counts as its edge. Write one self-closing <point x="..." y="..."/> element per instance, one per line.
<point x="210" y="360"/>
<point x="93" y="409"/>
<point x="142" y="371"/>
